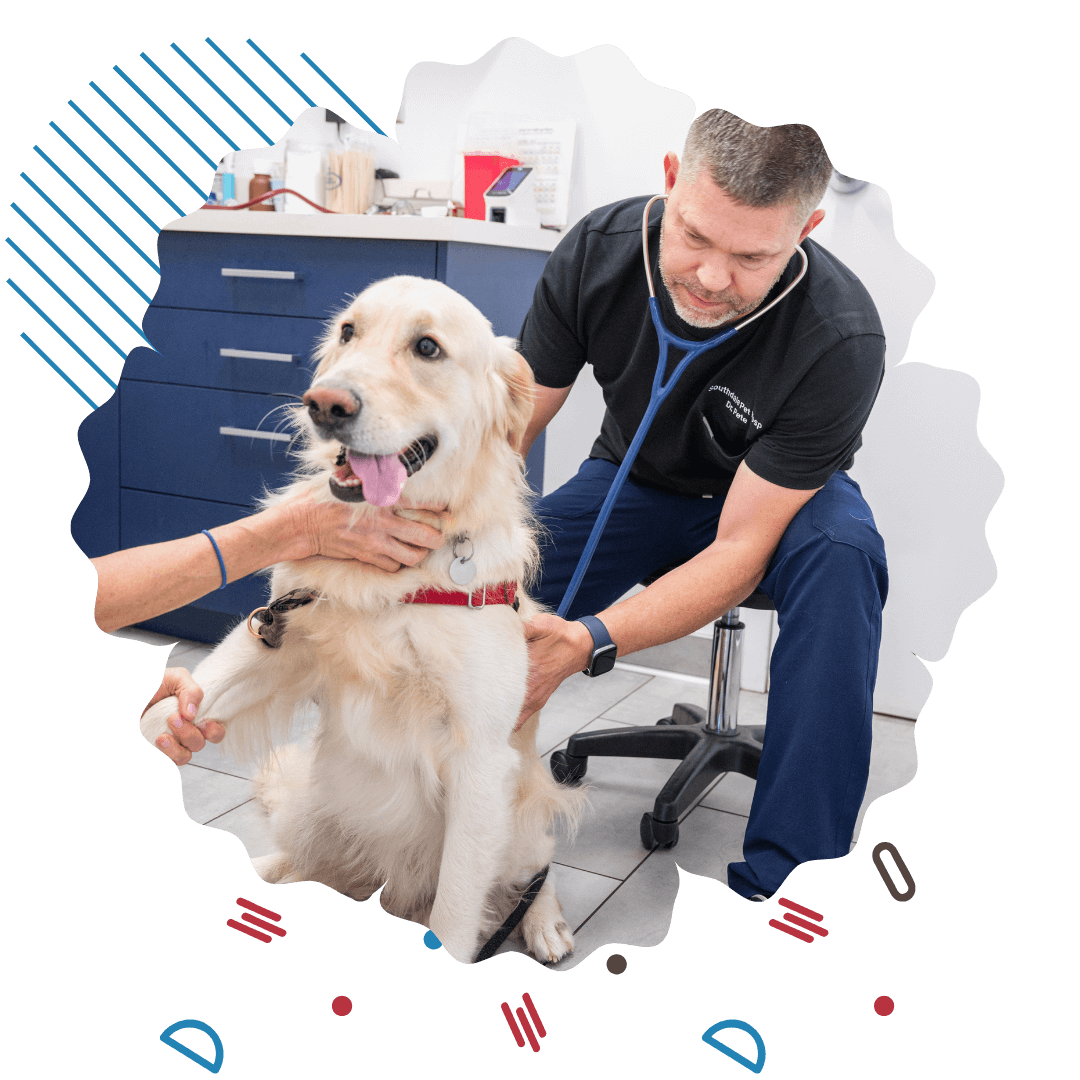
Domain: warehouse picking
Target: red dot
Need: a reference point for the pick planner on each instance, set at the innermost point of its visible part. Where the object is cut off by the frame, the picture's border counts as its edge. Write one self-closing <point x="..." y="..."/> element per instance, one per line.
<point x="883" y="1006"/>
<point x="342" y="1006"/>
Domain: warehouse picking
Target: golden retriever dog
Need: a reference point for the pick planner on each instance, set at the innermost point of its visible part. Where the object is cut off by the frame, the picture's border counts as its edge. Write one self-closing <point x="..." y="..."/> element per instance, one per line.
<point x="415" y="783"/>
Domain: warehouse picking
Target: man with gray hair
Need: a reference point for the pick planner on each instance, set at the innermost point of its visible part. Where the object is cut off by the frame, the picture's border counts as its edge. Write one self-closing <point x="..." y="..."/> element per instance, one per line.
<point x="742" y="478"/>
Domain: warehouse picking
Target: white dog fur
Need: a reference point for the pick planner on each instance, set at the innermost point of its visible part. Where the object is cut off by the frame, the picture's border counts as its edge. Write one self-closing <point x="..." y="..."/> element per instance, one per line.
<point x="415" y="782"/>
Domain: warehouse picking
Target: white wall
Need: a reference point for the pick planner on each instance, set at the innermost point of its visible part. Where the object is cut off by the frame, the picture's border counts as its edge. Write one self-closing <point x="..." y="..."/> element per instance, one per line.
<point x="625" y="124"/>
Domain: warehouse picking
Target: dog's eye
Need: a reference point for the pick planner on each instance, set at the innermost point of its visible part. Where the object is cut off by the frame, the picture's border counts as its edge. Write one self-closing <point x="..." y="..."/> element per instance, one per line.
<point x="346" y="332"/>
<point x="428" y="348"/>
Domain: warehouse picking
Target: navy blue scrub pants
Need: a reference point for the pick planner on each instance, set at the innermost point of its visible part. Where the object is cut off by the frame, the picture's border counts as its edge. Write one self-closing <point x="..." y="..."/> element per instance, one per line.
<point x="828" y="581"/>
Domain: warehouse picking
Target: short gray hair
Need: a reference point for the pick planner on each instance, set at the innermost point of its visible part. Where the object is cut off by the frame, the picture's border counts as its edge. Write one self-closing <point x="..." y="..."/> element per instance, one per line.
<point x="759" y="166"/>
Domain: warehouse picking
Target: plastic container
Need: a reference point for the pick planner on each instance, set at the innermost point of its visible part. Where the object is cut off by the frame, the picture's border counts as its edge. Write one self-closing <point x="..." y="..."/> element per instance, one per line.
<point x="228" y="181"/>
<point x="305" y="172"/>
<point x="217" y="190"/>
<point x="277" y="182"/>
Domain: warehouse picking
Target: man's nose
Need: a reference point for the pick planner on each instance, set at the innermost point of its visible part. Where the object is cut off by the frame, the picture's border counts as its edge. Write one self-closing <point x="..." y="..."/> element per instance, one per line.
<point x="715" y="274"/>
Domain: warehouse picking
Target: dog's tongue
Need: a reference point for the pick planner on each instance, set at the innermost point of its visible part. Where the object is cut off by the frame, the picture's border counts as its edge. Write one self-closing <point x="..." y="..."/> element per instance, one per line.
<point x="382" y="477"/>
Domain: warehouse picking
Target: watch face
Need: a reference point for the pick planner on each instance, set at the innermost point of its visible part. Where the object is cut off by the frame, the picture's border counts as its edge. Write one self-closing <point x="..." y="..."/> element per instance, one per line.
<point x="603" y="660"/>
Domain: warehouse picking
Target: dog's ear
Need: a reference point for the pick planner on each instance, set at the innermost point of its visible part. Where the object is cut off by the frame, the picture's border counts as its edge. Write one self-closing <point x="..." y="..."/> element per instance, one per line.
<point x="515" y="372"/>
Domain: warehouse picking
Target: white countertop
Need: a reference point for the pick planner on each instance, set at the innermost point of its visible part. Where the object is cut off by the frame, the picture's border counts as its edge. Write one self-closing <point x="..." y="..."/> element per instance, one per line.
<point x="367" y="226"/>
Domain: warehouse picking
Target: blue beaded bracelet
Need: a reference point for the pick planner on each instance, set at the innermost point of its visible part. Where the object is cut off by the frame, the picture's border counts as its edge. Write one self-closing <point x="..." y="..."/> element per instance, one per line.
<point x="221" y="561"/>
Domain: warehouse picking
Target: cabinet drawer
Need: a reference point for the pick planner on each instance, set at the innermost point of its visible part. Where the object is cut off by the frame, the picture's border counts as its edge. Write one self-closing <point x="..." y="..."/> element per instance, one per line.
<point x="262" y="353"/>
<point x="148" y="518"/>
<point x="279" y="275"/>
<point x="172" y="441"/>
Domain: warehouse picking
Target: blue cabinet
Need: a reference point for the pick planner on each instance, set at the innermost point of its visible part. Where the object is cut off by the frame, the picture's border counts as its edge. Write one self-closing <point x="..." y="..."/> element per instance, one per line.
<point x="197" y="430"/>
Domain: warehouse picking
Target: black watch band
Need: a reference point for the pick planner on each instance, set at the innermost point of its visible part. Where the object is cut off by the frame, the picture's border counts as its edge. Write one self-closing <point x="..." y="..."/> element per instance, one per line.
<point x="604" y="649"/>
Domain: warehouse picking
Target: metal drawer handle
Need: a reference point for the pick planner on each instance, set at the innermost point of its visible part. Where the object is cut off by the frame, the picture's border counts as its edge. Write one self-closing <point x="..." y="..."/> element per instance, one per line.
<point x="253" y="354"/>
<point x="275" y="436"/>
<point x="276" y="275"/>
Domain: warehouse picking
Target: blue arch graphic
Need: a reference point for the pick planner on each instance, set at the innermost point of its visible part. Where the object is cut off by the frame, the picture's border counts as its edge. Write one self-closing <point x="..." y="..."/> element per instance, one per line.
<point x="219" y="1051"/>
<point x="753" y="1066"/>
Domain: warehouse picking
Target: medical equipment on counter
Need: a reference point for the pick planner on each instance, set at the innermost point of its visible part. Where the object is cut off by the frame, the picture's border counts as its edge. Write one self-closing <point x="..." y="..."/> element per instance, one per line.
<point x="660" y="390"/>
<point x="511" y="199"/>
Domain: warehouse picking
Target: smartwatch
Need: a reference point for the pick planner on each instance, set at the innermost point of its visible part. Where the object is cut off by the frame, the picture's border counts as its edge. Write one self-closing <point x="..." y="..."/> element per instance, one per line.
<point x="604" y="649"/>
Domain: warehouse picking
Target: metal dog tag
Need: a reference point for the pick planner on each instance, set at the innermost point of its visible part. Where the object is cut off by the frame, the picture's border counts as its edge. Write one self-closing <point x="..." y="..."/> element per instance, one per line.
<point x="462" y="569"/>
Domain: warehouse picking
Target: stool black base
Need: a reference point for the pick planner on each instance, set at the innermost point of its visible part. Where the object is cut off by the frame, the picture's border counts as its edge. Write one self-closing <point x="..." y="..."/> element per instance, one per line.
<point x="682" y="736"/>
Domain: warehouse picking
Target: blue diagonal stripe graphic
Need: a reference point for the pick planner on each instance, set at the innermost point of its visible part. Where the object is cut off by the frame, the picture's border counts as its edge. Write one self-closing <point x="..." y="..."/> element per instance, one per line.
<point x="59" y="370"/>
<point x="56" y="288"/>
<point x="126" y="158"/>
<point x="181" y="125"/>
<point x="284" y="116"/>
<point x="105" y="217"/>
<point x="78" y="270"/>
<point x="108" y="180"/>
<point x="61" y="333"/>
<point x="85" y="237"/>
<point x="138" y="90"/>
<point x="221" y="94"/>
<point x="150" y="142"/>
<point x="188" y="100"/>
<point x="367" y="119"/>
<point x="274" y="66"/>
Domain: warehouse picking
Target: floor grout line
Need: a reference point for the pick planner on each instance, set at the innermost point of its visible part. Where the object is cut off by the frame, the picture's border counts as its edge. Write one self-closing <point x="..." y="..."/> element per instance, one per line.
<point x="229" y="811"/>
<point x="595" y="873"/>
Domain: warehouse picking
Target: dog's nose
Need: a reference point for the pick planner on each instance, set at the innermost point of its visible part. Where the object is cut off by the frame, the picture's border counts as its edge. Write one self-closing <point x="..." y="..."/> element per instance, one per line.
<point x="331" y="406"/>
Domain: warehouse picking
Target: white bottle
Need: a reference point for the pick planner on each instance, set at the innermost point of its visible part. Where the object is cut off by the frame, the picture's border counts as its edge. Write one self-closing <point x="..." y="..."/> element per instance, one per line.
<point x="305" y="172"/>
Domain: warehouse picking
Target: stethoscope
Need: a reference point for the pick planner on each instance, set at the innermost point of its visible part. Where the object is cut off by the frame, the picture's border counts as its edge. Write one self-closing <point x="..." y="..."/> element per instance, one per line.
<point x="660" y="390"/>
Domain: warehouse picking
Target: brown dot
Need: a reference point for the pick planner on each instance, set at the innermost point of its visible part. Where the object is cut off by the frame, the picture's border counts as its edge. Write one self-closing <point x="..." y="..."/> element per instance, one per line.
<point x="616" y="964"/>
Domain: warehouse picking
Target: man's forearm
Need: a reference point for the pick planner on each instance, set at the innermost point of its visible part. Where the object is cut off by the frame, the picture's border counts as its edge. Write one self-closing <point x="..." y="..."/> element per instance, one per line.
<point x="547" y="401"/>
<point x="142" y="583"/>
<point x="685" y="599"/>
<point x="681" y="601"/>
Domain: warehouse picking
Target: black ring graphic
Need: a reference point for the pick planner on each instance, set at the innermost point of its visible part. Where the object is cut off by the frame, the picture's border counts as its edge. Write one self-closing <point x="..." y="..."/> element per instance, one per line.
<point x="885" y="876"/>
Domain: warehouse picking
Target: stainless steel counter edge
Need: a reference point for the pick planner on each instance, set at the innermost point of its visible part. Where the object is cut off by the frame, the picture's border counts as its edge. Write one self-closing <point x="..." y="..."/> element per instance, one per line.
<point x="364" y="226"/>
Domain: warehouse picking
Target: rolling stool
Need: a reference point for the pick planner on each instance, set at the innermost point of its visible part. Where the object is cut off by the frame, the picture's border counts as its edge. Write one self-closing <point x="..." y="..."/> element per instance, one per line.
<point x="708" y="742"/>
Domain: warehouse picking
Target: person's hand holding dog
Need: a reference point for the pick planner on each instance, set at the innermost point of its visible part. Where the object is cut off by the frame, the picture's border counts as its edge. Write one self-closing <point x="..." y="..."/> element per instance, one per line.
<point x="383" y="537"/>
<point x="186" y="737"/>
<point x="142" y="583"/>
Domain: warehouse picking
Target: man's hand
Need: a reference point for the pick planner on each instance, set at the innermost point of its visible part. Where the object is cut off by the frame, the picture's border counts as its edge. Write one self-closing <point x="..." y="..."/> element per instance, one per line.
<point x="557" y="649"/>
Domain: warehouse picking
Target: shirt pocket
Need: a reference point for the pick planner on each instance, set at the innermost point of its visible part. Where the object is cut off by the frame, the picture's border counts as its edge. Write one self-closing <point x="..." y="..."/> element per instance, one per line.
<point x="727" y="455"/>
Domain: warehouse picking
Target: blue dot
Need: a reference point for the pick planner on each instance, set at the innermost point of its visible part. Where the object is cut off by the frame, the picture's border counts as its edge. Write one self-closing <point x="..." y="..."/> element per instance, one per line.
<point x="431" y="941"/>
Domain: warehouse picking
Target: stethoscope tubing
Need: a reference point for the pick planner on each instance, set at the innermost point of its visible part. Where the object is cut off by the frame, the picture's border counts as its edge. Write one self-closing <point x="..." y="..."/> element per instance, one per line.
<point x="660" y="390"/>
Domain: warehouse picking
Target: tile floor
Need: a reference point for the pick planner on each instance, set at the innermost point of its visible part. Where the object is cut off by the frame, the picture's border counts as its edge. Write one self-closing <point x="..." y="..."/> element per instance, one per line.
<point x="611" y="889"/>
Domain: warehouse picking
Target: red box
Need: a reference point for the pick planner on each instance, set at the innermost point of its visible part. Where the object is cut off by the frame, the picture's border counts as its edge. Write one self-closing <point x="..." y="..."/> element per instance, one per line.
<point x="480" y="173"/>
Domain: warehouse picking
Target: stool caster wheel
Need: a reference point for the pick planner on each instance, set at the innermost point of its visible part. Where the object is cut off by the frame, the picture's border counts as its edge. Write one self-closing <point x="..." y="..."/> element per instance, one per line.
<point x="566" y="768"/>
<point x="658" y="834"/>
<point x="666" y="721"/>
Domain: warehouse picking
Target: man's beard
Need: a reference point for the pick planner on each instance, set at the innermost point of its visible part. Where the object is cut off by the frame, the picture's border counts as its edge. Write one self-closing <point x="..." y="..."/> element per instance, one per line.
<point x="703" y="320"/>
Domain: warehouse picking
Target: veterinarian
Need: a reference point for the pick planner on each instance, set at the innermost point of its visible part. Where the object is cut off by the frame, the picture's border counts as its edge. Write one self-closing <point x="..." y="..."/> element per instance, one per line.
<point x="743" y="472"/>
<point x="143" y="582"/>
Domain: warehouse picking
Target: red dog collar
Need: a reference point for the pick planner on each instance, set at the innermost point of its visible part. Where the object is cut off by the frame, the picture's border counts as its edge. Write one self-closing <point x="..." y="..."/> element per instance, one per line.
<point x="503" y="593"/>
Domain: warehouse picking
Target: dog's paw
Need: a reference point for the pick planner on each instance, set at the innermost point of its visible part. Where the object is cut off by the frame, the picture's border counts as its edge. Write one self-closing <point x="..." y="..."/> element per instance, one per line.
<point x="155" y="720"/>
<point x="547" y="936"/>
<point x="271" y="868"/>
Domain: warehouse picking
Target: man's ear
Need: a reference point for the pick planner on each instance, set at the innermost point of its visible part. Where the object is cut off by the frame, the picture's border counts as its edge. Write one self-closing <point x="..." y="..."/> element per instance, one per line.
<point x="515" y="373"/>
